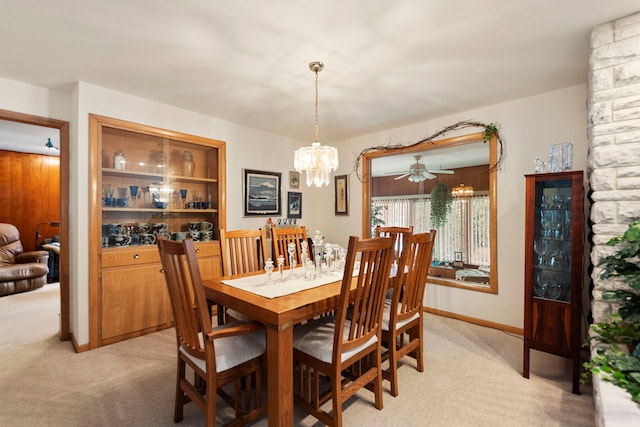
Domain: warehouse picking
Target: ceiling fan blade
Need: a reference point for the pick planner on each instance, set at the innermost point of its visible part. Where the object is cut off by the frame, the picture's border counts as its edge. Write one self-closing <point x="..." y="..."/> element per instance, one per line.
<point x="442" y="171"/>
<point x="428" y="175"/>
<point x="397" y="173"/>
<point x="401" y="176"/>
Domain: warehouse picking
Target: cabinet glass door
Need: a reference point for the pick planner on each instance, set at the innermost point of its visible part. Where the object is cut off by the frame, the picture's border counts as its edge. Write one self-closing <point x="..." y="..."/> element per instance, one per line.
<point x="552" y="241"/>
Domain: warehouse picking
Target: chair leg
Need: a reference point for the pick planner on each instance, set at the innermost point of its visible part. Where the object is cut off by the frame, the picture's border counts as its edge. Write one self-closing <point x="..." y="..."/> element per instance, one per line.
<point x="180" y="396"/>
<point x="419" y="352"/>
<point x="336" y="401"/>
<point x="210" y="401"/>
<point x="393" y="369"/>
<point x="378" y="380"/>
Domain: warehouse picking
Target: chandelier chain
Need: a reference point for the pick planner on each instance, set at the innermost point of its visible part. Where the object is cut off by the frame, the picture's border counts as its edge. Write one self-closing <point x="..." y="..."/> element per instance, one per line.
<point x="316" y="123"/>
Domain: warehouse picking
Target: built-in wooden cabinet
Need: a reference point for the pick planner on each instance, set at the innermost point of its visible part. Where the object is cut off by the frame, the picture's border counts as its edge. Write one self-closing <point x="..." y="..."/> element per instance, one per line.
<point x="147" y="182"/>
<point x="554" y="230"/>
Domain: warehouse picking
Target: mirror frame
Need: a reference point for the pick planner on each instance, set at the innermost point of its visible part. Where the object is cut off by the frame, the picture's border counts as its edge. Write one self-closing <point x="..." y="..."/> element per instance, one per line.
<point x="493" y="201"/>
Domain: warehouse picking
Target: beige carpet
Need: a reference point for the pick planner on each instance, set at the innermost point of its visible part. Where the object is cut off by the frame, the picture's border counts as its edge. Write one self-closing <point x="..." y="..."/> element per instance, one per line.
<point x="472" y="378"/>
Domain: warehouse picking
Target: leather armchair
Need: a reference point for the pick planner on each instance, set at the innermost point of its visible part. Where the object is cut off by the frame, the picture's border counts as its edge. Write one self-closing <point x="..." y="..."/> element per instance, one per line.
<point x="19" y="271"/>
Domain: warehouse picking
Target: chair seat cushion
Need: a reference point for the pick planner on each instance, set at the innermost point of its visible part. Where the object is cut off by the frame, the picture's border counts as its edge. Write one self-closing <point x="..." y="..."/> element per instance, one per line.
<point x="316" y="339"/>
<point x="233" y="351"/>
<point x="387" y="313"/>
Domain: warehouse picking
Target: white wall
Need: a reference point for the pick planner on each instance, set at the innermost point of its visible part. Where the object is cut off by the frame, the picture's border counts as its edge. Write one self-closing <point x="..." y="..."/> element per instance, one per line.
<point x="529" y="126"/>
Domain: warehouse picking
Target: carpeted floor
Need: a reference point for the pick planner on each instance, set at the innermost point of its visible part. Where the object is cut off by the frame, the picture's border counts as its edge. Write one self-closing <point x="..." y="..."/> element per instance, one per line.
<point x="472" y="378"/>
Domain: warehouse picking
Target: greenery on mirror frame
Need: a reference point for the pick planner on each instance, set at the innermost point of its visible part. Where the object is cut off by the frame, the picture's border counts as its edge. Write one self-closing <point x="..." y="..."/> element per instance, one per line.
<point x="441" y="200"/>
<point x="490" y="130"/>
<point x="376" y="218"/>
<point x="619" y="362"/>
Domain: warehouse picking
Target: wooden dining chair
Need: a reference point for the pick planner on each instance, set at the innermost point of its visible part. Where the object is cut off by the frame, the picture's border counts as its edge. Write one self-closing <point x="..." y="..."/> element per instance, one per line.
<point x="229" y="354"/>
<point x="332" y="347"/>
<point x="243" y="251"/>
<point x="400" y="236"/>
<point x="403" y="314"/>
<point x="282" y="236"/>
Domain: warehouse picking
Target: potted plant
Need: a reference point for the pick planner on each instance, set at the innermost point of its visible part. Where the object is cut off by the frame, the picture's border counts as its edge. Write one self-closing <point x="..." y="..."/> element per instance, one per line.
<point x="376" y="218"/>
<point x="441" y="200"/>
<point x="618" y="361"/>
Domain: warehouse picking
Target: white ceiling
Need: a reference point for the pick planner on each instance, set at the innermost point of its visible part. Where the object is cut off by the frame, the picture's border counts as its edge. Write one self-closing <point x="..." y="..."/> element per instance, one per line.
<point x="387" y="63"/>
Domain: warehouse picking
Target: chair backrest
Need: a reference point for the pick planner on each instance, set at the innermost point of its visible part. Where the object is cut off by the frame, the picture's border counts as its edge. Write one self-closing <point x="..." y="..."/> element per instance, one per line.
<point x="188" y="300"/>
<point x="243" y="251"/>
<point x="10" y="244"/>
<point x="282" y="236"/>
<point x="411" y="278"/>
<point x="364" y="305"/>
<point x="400" y="236"/>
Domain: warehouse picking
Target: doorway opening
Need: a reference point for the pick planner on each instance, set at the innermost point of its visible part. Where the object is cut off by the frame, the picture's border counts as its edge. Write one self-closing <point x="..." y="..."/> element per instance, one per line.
<point x="63" y="128"/>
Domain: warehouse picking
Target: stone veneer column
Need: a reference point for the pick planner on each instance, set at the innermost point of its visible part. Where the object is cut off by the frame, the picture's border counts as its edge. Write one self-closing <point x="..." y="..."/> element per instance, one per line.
<point x="614" y="174"/>
<point x="614" y="133"/>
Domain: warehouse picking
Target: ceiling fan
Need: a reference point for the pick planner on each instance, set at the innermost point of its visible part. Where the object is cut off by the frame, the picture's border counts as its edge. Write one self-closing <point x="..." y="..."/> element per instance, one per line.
<point x="418" y="172"/>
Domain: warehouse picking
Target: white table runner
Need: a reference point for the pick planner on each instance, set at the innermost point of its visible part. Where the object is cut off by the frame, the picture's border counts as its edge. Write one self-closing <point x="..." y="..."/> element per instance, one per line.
<point x="258" y="284"/>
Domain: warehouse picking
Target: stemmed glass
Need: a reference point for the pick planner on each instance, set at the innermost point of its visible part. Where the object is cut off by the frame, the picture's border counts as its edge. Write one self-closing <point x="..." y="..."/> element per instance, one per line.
<point x="291" y="249"/>
<point x="133" y="190"/>
<point x="145" y="191"/>
<point x="183" y="196"/>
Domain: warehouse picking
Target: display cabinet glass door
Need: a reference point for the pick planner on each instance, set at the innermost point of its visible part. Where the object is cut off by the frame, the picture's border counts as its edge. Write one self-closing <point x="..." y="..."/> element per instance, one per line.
<point x="552" y="242"/>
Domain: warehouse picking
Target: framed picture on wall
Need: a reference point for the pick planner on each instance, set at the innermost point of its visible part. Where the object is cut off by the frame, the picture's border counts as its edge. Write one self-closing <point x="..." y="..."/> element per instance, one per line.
<point x="261" y="193"/>
<point x="294" y="204"/>
<point x="342" y="194"/>
<point x="294" y="179"/>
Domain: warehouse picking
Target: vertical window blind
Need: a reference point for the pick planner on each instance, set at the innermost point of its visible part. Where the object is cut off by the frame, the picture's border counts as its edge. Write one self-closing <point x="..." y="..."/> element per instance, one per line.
<point x="466" y="230"/>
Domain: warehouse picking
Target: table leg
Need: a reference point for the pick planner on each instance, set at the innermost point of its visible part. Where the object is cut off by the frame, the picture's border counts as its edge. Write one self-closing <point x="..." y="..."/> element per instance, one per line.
<point x="280" y="376"/>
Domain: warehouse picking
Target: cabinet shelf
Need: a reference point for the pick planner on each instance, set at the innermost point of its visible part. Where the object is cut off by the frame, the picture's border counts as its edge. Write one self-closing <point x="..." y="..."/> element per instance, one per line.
<point x="154" y="176"/>
<point x="162" y="211"/>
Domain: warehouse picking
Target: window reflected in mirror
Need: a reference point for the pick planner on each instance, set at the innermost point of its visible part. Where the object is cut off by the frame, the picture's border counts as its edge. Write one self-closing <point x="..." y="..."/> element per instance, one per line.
<point x="448" y="185"/>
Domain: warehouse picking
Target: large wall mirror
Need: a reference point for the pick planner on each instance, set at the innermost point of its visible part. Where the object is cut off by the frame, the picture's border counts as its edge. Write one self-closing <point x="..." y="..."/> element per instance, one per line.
<point x="398" y="186"/>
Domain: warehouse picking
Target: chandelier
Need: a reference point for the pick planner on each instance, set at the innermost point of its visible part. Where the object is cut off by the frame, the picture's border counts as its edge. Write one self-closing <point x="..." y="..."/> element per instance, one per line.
<point x="462" y="191"/>
<point x="318" y="161"/>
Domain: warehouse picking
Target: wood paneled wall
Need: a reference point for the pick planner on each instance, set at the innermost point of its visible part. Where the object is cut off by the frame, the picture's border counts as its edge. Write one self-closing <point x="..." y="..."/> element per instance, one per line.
<point x="476" y="176"/>
<point x="30" y="194"/>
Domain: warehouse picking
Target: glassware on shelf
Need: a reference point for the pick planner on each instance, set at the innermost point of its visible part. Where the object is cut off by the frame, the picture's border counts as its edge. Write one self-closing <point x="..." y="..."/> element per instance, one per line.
<point x="183" y="196"/>
<point x="133" y="191"/>
<point x="119" y="161"/>
<point x="540" y="165"/>
<point x="188" y="165"/>
<point x="540" y="284"/>
<point x="160" y="195"/>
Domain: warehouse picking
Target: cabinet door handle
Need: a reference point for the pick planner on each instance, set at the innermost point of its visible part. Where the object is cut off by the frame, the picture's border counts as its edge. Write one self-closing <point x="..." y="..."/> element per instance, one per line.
<point x="162" y="270"/>
<point x="136" y="256"/>
<point x="197" y="251"/>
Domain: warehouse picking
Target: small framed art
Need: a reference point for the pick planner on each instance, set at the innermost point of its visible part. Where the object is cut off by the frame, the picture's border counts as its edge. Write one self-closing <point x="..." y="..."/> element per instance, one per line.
<point x="294" y="179"/>
<point x="261" y="193"/>
<point x="294" y="204"/>
<point x="342" y="194"/>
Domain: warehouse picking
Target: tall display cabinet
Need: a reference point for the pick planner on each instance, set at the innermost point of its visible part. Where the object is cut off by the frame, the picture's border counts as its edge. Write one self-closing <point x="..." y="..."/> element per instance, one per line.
<point x="554" y="230"/>
<point x="147" y="182"/>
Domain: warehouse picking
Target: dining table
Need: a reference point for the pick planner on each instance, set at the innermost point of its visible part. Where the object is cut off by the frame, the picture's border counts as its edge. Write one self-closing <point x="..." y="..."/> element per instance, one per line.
<point x="279" y="305"/>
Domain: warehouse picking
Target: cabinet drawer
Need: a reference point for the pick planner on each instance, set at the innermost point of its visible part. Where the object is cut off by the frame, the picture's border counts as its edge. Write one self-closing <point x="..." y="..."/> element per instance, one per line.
<point x="135" y="255"/>
<point x="208" y="249"/>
